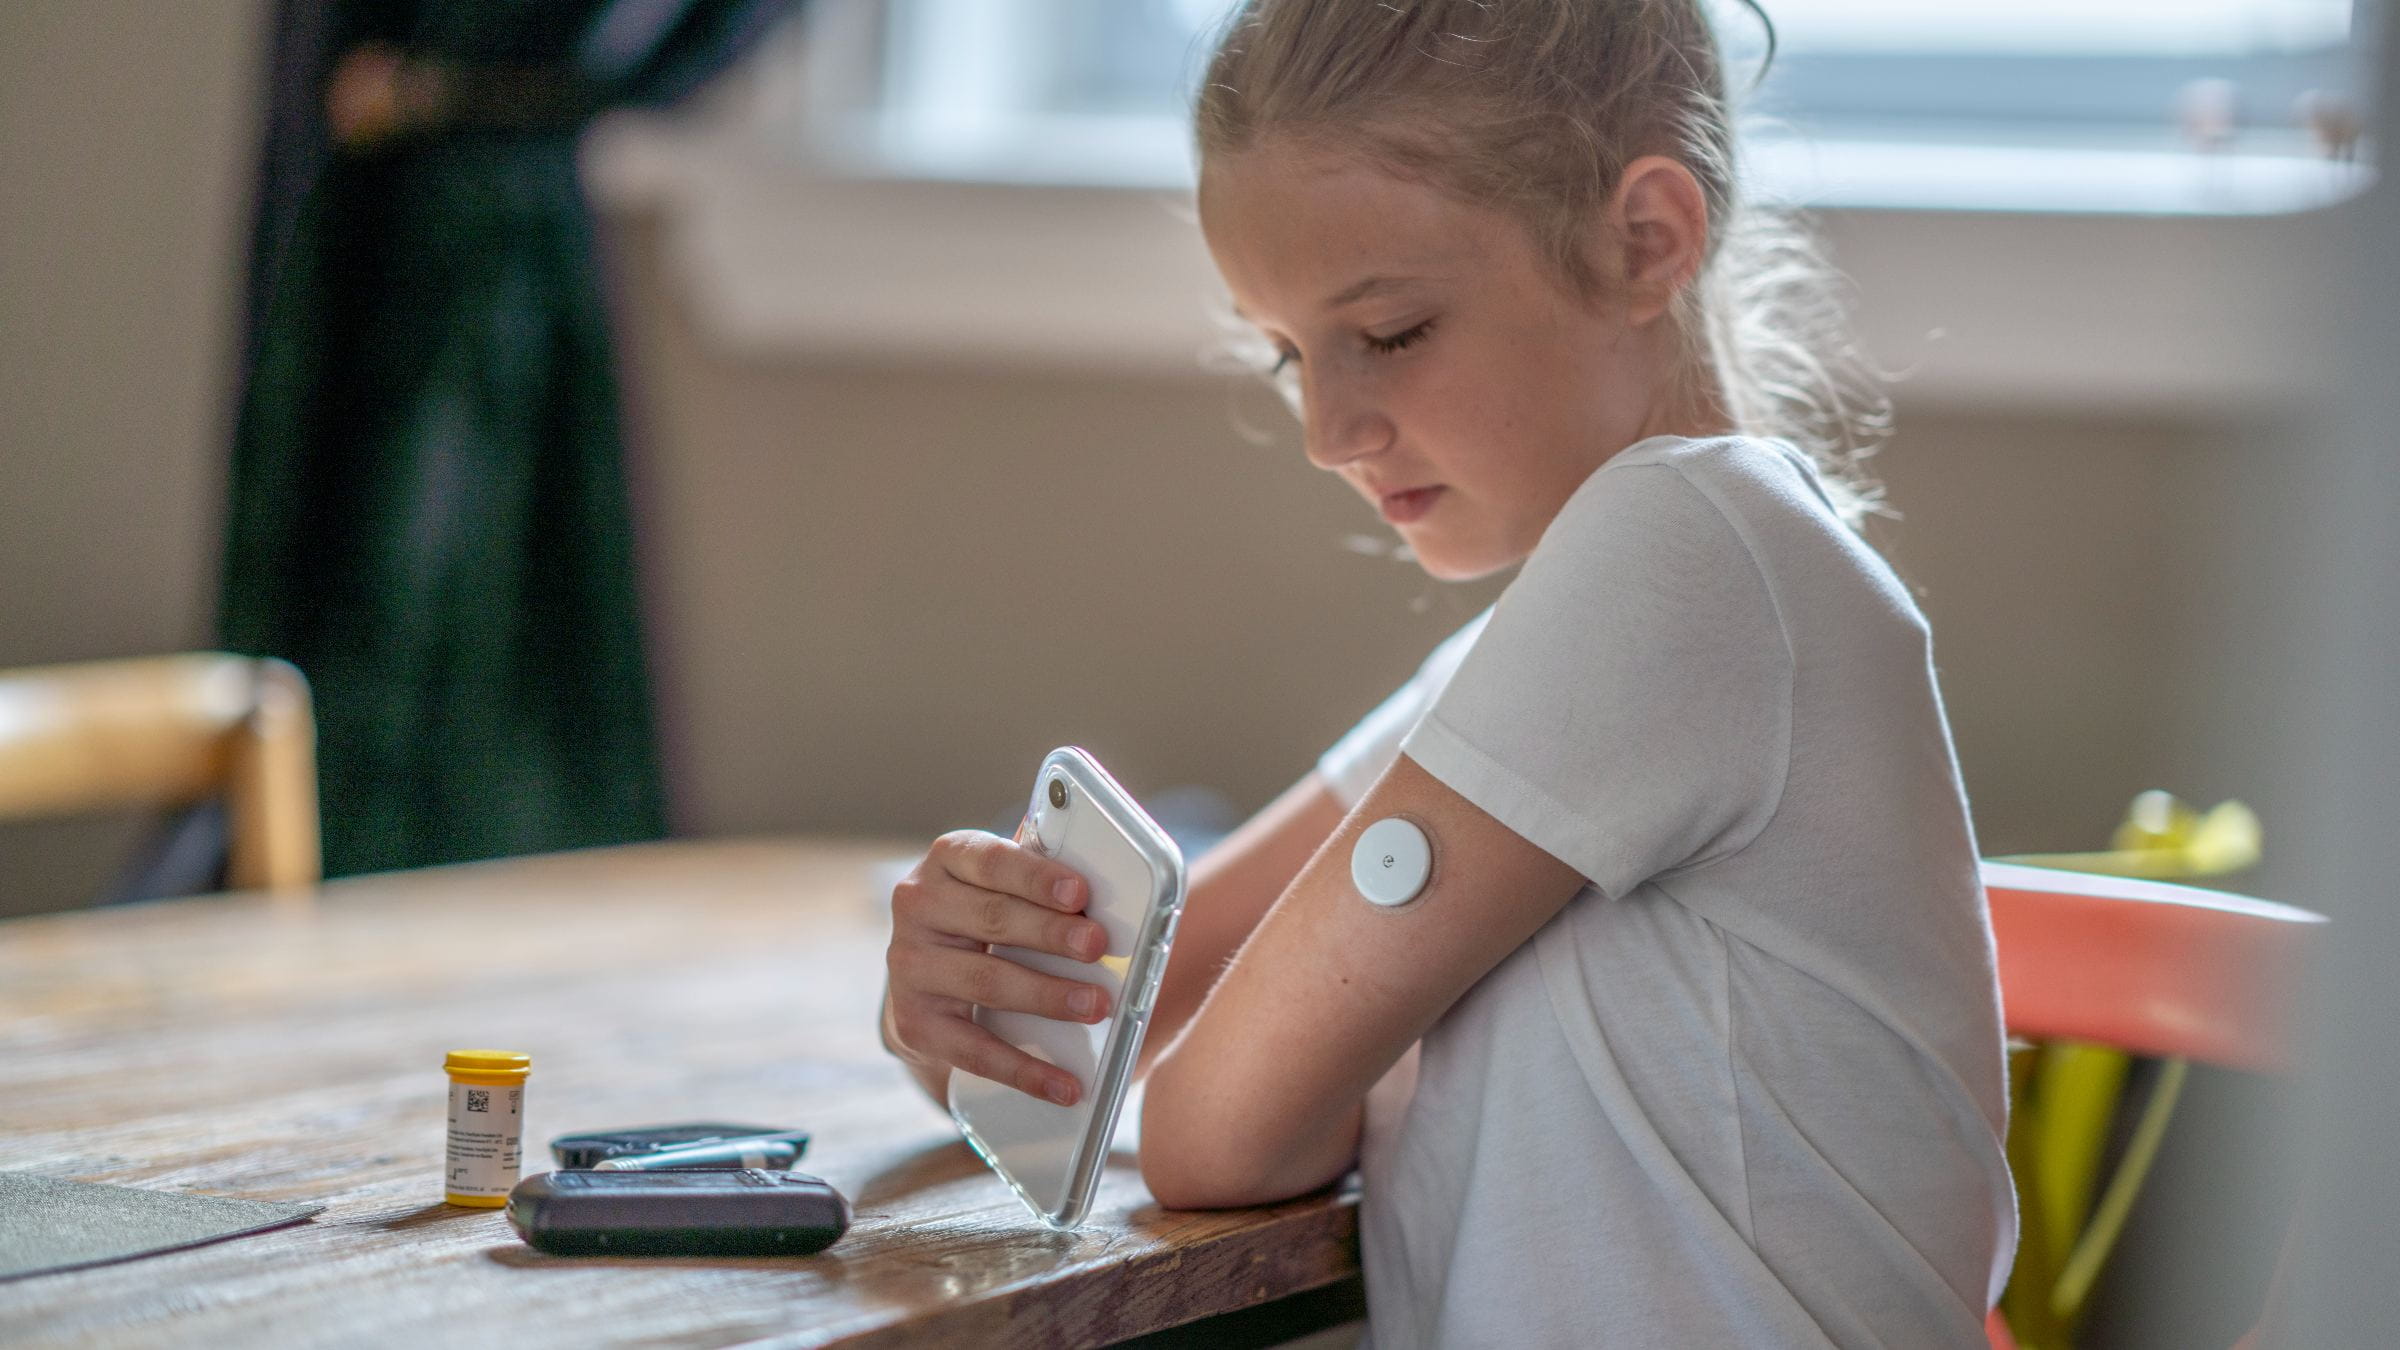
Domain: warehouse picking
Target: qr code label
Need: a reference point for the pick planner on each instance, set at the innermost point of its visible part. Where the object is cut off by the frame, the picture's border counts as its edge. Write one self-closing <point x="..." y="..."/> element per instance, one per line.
<point x="478" y="1101"/>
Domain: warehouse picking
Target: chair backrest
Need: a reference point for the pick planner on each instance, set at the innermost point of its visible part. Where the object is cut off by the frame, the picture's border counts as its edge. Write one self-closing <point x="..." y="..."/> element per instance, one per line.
<point x="171" y="730"/>
<point x="2148" y="968"/>
<point x="2151" y="967"/>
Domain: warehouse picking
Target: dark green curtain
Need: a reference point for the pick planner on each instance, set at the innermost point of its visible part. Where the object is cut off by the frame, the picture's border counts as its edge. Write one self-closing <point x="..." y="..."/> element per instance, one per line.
<point x="428" y="511"/>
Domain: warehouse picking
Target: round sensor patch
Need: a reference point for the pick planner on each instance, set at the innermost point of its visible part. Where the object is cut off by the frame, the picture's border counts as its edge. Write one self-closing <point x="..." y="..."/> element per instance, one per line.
<point x="1391" y="862"/>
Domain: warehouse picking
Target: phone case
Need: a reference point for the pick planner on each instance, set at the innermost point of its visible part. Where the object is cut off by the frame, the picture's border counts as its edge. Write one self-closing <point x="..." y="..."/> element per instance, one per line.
<point x="1051" y="1155"/>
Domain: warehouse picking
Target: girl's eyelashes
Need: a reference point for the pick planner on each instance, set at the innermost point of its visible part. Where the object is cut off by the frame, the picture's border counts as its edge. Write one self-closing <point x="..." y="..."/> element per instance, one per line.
<point x="1287" y="357"/>
<point x="1400" y="341"/>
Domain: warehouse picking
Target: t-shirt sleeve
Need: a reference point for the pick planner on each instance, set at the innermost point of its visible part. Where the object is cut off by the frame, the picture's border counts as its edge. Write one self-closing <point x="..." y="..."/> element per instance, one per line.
<point x="1628" y="708"/>
<point x="1366" y="750"/>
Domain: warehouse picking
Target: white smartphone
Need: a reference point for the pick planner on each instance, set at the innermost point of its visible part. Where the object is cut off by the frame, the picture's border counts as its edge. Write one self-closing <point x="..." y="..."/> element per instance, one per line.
<point x="1051" y="1155"/>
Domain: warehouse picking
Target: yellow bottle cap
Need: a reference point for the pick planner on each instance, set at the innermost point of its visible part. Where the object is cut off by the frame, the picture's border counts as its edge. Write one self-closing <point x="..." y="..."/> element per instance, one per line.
<point x="507" y="1063"/>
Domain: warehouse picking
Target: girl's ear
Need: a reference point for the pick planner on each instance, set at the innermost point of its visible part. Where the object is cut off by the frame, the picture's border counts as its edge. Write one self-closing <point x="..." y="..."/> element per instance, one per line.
<point x="1661" y="222"/>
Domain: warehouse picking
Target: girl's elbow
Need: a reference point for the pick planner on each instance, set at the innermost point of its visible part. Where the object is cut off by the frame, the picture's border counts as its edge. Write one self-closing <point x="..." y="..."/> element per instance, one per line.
<point x="1186" y="1177"/>
<point x="1190" y="1163"/>
<point x="1172" y="1185"/>
<point x="1179" y="1182"/>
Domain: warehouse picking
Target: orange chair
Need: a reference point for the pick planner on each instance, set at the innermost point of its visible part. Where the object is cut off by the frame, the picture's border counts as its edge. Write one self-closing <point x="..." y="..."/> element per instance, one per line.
<point x="2149" y="967"/>
<point x="165" y="731"/>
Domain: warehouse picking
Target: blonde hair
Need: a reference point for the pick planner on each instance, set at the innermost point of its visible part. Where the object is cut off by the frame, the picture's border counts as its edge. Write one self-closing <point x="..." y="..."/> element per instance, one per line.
<point x="1535" y="107"/>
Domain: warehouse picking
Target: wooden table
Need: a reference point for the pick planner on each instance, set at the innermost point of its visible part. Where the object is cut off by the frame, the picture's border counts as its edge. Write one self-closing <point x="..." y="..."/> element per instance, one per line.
<point x="292" y="1051"/>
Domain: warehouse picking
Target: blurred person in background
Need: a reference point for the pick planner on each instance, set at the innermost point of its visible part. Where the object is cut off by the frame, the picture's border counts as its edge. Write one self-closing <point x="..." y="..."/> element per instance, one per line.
<point x="428" y="512"/>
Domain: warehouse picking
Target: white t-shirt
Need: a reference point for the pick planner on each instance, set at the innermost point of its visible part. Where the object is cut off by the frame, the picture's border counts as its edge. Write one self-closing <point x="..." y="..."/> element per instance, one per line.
<point x="1747" y="1088"/>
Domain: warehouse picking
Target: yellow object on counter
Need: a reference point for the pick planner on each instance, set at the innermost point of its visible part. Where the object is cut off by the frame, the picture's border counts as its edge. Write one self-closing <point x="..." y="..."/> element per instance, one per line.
<point x="2065" y="1097"/>
<point x="2162" y="839"/>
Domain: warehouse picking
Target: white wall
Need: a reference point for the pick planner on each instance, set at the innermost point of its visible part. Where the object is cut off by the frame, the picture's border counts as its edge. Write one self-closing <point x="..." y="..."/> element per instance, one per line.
<point x="128" y="131"/>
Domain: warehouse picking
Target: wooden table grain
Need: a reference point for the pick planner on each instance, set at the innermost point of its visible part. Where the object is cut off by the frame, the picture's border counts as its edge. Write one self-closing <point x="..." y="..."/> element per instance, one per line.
<point x="262" y="1048"/>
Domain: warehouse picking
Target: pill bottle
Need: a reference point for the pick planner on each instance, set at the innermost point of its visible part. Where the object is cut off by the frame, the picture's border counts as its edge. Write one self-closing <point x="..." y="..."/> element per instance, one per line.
<point x="487" y="1126"/>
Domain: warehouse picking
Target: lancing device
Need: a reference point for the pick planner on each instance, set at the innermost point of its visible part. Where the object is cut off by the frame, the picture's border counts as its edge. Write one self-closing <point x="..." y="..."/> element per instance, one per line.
<point x="774" y="1152"/>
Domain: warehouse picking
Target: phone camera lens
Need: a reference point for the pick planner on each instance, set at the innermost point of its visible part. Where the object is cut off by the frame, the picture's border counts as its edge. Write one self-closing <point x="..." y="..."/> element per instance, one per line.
<point x="1058" y="793"/>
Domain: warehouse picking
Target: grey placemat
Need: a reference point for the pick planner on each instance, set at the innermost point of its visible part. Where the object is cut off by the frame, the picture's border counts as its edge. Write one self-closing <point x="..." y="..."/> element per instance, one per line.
<point x="47" y="1224"/>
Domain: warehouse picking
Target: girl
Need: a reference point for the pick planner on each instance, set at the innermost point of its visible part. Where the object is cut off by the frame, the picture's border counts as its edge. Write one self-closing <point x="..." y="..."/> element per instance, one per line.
<point x="1703" y="981"/>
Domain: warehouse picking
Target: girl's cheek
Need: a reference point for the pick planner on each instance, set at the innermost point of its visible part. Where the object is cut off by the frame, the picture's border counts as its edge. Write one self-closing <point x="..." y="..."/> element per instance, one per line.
<point x="1465" y="411"/>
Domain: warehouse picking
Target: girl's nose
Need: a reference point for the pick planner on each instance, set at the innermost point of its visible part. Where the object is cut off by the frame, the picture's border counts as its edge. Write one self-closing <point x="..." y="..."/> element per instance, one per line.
<point x="1337" y="427"/>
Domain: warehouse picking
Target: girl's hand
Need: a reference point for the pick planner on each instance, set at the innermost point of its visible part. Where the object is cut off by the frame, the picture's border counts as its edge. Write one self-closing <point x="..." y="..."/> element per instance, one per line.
<point x="974" y="891"/>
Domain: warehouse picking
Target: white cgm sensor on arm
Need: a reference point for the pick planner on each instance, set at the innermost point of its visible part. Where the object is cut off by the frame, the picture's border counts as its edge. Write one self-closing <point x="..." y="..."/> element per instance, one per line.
<point x="1390" y="862"/>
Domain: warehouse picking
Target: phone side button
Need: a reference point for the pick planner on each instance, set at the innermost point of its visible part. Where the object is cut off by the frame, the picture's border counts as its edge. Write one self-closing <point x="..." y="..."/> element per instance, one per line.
<point x="1149" y="990"/>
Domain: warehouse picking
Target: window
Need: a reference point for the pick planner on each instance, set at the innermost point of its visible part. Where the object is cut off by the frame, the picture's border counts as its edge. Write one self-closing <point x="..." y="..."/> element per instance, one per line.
<point x="2183" y="106"/>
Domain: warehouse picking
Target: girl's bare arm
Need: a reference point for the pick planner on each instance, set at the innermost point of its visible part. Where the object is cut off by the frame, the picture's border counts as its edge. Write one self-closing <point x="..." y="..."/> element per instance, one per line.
<point x="1232" y="887"/>
<point x="1262" y="1094"/>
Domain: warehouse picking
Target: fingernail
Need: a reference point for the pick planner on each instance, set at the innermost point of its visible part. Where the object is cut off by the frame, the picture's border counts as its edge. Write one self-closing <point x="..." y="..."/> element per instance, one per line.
<point x="1064" y="890"/>
<point x="1062" y="1092"/>
<point x="1085" y="1002"/>
<point x="1092" y="941"/>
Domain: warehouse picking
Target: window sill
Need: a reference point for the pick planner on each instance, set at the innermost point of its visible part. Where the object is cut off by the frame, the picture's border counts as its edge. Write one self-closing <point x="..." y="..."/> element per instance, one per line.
<point x="2054" y="303"/>
<point x="1970" y="169"/>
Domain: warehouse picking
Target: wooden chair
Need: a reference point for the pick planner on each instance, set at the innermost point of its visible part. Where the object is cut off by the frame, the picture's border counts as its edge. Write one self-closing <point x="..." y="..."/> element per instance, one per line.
<point x="171" y="730"/>
<point x="2156" y="969"/>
